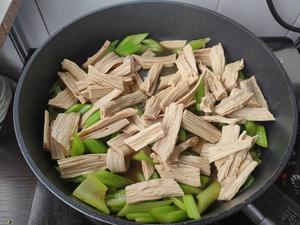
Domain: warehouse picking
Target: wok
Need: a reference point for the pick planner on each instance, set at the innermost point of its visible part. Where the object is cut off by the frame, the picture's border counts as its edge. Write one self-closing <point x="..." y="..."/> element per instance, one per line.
<point x="163" y="20"/>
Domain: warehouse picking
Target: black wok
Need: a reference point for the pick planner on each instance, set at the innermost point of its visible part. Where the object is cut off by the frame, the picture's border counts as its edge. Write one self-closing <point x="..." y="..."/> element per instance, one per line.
<point x="164" y="20"/>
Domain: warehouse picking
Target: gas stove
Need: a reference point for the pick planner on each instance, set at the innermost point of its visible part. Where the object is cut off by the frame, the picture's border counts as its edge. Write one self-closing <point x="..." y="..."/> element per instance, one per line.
<point x="280" y="203"/>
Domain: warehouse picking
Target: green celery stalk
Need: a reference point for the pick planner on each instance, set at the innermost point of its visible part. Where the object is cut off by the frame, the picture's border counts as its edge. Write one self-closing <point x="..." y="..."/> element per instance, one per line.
<point x="197" y="107"/>
<point x="128" y="49"/>
<point x="191" y="207"/>
<point x="145" y="219"/>
<point x="74" y="108"/>
<point x="155" y="175"/>
<point x="116" y="199"/>
<point x="94" y="146"/>
<point x="168" y="214"/>
<point x="95" y="117"/>
<point x="142" y="207"/>
<point x="182" y="135"/>
<point x="77" y="147"/>
<point x="111" y="180"/>
<point x="112" y="46"/>
<point x="241" y="75"/>
<point x="76" y="180"/>
<point x="262" y="139"/>
<point x="85" y="108"/>
<point x="139" y="109"/>
<point x="134" y="39"/>
<point x="153" y="45"/>
<point x="178" y="203"/>
<point x="92" y="192"/>
<point x="255" y="154"/>
<point x="200" y="92"/>
<point x="204" y="181"/>
<point x="142" y="156"/>
<point x="208" y="196"/>
<point x="250" y="127"/>
<point x="187" y="189"/>
<point x="115" y="209"/>
<point x="247" y="183"/>
<point x="115" y="134"/>
<point x="131" y="44"/>
<point x="199" y="43"/>
<point x="56" y="88"/>
<point x="133" y="216"/>
<point x="140" y="177"/>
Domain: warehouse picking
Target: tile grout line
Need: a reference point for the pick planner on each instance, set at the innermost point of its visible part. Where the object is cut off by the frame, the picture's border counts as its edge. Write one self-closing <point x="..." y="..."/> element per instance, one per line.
<point x="294" y="23"/>
<point x="218" y="6"/>
<point x="42" y="17"/>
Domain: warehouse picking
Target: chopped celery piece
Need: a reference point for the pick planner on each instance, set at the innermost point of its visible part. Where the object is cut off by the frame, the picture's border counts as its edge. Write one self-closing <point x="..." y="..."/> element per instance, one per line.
<point x="140" y="177"/>
<point x="94" y="146"/>
<point x="85" y="108"/>
<point x="153" y="45"/>
<point x="111" y="180"/>
<point x="155" y="175"/>
<point x="168" y="214"/>
<point x="262" y="139"/>
<point x="250" y="127"/>
<point x="92" y="192"/>
<point x="143" y="207"/>
<point x="187" y="189"/>
<point x="142" y="156"/>
<point x="133" y="216"/>
<point x="139" y="109"/>
<point x="74" y="108"/>
<point x="95" y="117"/>
<point x="204" y="181"/>
<point x="197" y="107"/>
<point x="247" y="183"/>
<point x="56" y="88"/>
<point x="77" y="147"/>
<point x="208" y="196"/>
<point x="115" y="134"/>
<point x="191" y="207"/>
<point x="241" y="75"/>
<point x="199" y="43"/>
<point x="200" y="92"/>
<point x="117" y="199"/>
<point x="128" y="49"/>
<point x="112" y="46"/>
<point x="130" y="44"/>
<point x="76" y="180"/>
<point x="178" y="203"/>
<point x="134" y="39"/>
<point x="176" y="50"/>
<point x="255" y="154"/>
<point x="115" y="209"/>
<point x="182" y="135"/>
<point x="145" y="219"/>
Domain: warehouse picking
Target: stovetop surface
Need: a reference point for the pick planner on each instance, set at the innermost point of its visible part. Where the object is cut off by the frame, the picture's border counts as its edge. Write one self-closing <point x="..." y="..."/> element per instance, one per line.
<point x="34" y="205"/>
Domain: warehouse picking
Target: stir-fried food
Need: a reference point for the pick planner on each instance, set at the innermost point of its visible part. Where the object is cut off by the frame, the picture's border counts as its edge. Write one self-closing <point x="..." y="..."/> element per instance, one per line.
<point x="156" y="132"/>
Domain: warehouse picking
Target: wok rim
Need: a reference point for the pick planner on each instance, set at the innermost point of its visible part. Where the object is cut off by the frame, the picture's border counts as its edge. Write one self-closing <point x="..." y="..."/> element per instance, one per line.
<point x="116" y="220"/>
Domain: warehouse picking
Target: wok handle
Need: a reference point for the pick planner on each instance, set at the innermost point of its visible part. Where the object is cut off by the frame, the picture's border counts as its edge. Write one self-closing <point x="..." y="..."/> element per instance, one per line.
<point x="256" y="216"/>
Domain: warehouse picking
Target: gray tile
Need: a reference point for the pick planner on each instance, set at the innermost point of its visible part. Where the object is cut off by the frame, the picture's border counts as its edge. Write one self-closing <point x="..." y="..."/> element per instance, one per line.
<point x="294" y="35"/>
<point x="30" y="25"/>
<point x="254" y="15"/>
<point x="59" y="12"/>
<point x="289" y="10"/>
<point x="9" y="58"/>
<point x="4" y="4"/>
